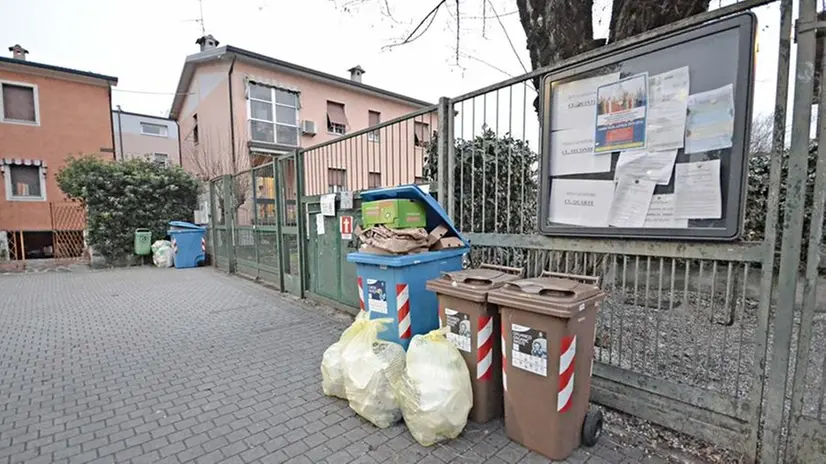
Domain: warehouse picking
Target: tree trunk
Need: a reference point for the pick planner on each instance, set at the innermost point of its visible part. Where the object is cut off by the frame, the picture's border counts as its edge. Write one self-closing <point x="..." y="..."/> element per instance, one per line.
<point x="630" y="18"/>
<point x="559" y="29"/>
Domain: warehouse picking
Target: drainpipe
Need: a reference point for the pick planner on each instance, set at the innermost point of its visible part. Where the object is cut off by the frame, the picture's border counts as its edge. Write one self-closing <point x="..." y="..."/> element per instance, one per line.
<point x="120" y="136"/>
<point x="112" y="126"/>
<point x="232" y="116"/>
<point x="180" y="152"/>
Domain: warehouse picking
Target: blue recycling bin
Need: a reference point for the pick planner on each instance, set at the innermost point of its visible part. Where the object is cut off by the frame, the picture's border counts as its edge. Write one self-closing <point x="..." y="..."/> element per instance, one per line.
<point x="188" y="243"/>
<point x="394" y="286"/>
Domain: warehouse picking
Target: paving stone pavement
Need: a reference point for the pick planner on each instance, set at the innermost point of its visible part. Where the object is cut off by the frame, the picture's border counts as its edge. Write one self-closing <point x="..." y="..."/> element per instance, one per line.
<point x="162" y="365"/>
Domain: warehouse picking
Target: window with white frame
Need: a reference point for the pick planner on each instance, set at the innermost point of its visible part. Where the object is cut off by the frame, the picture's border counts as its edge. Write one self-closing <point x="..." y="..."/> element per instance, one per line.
<point x="336" y="118"/>
<point x="161" y="159"/>
<point x="157" y="130"/>
<point x="19" y="103"/>
<point x="336" y="180"/>
<point x="373" y="119"/>
<point x="421" y="134"/>
<point x="273" y="115"/>
<point x="25" y="181"/>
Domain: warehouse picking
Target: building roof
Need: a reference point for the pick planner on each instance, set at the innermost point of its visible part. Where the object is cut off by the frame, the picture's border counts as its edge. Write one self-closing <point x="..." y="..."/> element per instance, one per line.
<point x="229" y="51"/>
<point x="110" y="79"/>
<point x="142" y="115"/>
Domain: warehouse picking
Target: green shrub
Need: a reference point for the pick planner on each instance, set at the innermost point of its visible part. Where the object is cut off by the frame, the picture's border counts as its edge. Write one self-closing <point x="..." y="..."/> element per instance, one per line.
<point x="123" y="196"/>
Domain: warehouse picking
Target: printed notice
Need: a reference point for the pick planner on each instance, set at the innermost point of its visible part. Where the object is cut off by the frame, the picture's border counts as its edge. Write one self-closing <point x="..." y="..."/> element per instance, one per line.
<point x="376" y="296"/>
<point x="697" y="192"/>
<point x="328" y="204"/>
<point x="346" y="201"/>
<point x="710" y="123"/>
<point x="459" y="325"/>
<point x="631" y="200"/>
<point x="621" y="113"/>
<point x="572" y="152"/>
<point x="661" y="214"/>
<point x="667" y="106"/>
<point x="319" y="224"/>
<point x="656" y="166"/>
<point x="581" y="202"/>
<point x="573" y="103"/>
<point x="530" y="350"/>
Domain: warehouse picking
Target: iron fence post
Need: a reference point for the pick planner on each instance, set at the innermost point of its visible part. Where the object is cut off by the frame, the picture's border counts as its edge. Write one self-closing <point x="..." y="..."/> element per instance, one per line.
<point x="299" y="219"/>
<point x="451" y="161"/>
<point x="441" y="181"/>
<point x="281" y="218"/>
<point x="255" y="219"/>
<point x="229" y="220"/>
<point x="775" y="397"/>
<point x="211" y="223"/>
<point x="770" y="231"/>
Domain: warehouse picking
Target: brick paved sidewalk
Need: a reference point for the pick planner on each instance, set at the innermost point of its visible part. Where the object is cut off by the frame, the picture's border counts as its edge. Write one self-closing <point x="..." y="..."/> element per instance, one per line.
<point x="164" y="365"/>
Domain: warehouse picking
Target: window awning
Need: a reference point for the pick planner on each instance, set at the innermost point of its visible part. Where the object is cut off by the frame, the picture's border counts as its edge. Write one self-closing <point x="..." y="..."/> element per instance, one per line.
<point x="20" y="162"/>
<point x="335" y="113"/>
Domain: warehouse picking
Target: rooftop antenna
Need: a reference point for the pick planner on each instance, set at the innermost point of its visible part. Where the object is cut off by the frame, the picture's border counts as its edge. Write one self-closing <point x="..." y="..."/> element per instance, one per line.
<point x="200" y="19"/>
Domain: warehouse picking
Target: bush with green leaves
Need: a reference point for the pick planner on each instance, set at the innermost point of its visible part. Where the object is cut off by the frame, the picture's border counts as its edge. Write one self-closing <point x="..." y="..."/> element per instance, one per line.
<point x="495" y="183"/>
<point x="123" y="196"/>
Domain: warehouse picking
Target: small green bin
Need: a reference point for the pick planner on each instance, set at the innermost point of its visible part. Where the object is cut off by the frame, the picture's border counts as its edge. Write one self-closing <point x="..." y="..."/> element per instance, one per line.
<point x="143" y="242"/>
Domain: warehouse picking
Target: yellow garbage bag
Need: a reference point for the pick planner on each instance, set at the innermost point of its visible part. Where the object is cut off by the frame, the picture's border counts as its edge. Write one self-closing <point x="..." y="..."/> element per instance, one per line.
<point x="435" y="393"/>
<point x="369" y="365"/>
<point x="332" y="366"/>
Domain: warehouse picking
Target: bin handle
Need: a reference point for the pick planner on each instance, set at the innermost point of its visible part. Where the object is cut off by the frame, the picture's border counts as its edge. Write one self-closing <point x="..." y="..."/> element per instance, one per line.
<point x="593" y="280"/>
<point x="142" y="230"/>
<point x="552" y="289"/>
<point x="510" y="270"/>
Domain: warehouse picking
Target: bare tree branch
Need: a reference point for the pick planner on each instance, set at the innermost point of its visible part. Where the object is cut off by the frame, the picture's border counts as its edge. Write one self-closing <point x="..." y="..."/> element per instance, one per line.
<point x="409" y="39"/>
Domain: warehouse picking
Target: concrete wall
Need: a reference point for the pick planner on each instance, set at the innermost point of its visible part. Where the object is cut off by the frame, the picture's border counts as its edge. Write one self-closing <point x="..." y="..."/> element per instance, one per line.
<point x="131" y="142"/>
<point x="75" y="119"/>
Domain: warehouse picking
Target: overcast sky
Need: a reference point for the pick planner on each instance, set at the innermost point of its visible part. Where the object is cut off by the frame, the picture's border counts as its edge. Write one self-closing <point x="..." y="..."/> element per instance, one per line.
<point x="145" y="43"/>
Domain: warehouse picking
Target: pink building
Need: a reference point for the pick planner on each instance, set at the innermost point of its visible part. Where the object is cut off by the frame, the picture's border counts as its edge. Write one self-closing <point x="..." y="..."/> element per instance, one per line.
<point x="236" y="108"/>
<point x="143" y="136"/>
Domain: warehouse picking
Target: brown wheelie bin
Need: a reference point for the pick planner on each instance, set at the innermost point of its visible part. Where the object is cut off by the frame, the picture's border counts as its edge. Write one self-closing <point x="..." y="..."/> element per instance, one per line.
<point x="474" y="330"/>
<point x="548" y="328"/>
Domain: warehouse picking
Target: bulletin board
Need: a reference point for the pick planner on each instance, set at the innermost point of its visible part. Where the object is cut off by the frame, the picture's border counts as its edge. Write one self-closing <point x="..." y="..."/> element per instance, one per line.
<point x="651" y="141"/>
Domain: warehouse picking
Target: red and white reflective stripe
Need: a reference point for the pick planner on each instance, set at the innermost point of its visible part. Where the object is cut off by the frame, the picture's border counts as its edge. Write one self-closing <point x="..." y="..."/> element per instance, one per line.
<point x="504" y="360"/>
<point x="361" y="294"/>
<point x="174" y="246"/>
<point x="484" y="348"/>
<point x="203" y="245"/>
<point x="403" y="309"/>
<point x="567" y="358"/>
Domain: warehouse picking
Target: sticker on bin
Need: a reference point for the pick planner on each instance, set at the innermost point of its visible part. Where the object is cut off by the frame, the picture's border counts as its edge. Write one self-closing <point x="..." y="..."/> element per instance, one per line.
<point x="530" y="350"/>
<point x="377" y="296"/>
<point x="459" y="334"/>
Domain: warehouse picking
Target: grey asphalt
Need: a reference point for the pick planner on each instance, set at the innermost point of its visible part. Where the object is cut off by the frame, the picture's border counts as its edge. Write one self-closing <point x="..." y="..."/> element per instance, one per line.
<point x="164" y="365"/>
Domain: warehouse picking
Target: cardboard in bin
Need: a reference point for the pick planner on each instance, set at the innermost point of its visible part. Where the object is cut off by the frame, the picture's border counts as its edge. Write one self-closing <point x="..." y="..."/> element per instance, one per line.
<point x="434" y="217"/>
<point x="395" y="213"/>
<point x="548" y="330"/>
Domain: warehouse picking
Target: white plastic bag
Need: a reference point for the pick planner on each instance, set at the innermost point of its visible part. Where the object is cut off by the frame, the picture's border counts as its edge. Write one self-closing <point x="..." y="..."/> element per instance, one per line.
<point x="369" y="367"/>
<point x="332" y="367"/>
<point x="162" y="254"/>
<point x="435" y="394"/>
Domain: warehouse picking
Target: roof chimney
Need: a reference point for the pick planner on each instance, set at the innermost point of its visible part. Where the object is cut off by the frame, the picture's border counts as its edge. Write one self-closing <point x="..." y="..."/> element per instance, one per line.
<point x="18" y="52"/>
<point x="207" y="42"/>
<point x="356" y="72"/>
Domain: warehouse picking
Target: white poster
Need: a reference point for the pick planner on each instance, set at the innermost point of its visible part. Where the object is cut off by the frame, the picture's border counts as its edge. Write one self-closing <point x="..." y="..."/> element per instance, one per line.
<point x="581" y="202"/>
<point x="697" y="193"/>
<point x="710" y="123"/>
<point x="642" y="164"/>
<point x="328" y="204"/>
<point x="573" y="104"/>
<point x="346" y="201"/>
<point x="661" y="214"/>
<point x="572" y="152"/>
<point x="319" y="224"/>
<point x="631" y="200"/>
<point x="667" y="106"/>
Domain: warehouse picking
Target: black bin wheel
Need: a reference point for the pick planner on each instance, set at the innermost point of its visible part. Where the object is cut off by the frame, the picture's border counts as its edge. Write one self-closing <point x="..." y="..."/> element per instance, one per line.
<point x="592" y="427"/>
